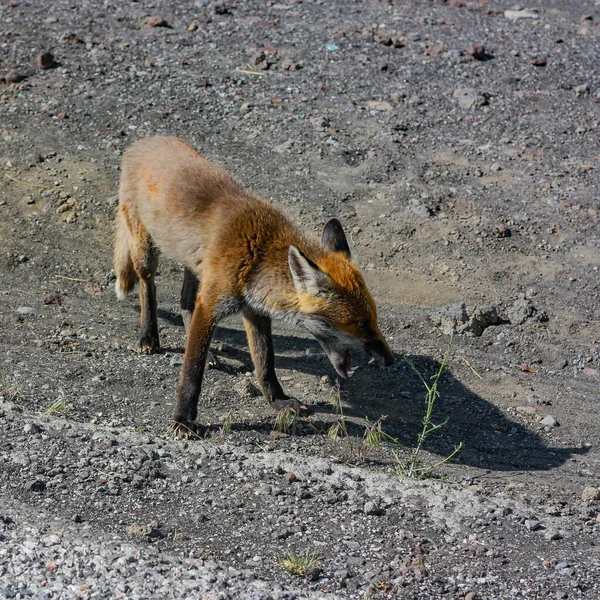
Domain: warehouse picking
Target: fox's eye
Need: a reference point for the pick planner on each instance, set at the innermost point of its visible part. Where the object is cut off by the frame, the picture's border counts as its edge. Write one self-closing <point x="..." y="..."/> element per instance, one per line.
<point x="362" y="324"/>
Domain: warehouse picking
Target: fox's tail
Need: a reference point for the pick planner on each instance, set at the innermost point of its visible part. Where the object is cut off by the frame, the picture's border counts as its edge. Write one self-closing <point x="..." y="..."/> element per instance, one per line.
<point x="123" y="265"/>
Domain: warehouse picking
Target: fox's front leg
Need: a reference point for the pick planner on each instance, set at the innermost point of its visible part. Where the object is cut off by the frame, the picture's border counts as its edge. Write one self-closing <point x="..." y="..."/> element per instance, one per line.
<point x="189" y="293"/>
<point x="260" y="340"/>
<point x="202" y="327"/>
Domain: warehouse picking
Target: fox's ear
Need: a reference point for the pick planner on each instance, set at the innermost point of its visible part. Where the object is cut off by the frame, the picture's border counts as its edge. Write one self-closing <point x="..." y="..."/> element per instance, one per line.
<point x="334" y="238"/>
<point x="307" y="276"/>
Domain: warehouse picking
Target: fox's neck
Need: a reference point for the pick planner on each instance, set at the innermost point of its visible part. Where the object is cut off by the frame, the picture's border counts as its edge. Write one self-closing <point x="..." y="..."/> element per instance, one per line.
<point x="272" y="290"/>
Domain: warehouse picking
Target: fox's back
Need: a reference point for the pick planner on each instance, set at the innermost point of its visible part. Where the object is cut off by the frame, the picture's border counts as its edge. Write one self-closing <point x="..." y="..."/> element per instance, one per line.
<point x="179" y="197"/>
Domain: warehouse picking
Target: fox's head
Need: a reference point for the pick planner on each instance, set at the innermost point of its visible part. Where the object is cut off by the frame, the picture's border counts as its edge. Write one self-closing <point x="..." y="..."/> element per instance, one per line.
<point x="335" y="304"/>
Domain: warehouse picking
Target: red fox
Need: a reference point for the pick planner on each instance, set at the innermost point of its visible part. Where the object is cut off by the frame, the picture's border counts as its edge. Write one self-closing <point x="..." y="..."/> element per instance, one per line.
<point x="248" y="257"/>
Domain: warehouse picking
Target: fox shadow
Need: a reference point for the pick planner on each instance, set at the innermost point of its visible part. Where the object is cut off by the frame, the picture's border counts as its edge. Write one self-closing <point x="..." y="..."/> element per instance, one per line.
<point x="490" y="439"/>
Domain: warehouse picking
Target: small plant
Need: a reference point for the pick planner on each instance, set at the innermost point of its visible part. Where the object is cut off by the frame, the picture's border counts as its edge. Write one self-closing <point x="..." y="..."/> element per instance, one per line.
<point x="338" y="429"/>
<point x="218" y="437"/>
<point x="300" y="565"/>
<point x="412" y="466"/>
<point x="286" y="420"/>
<point x="60" y="407"/>
<point x="10" y="392"/>
<point x="373" y="435"/>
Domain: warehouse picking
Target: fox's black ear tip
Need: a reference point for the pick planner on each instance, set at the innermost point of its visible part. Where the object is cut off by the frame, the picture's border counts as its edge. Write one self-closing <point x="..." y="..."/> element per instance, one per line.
<point x="334" y="238"/>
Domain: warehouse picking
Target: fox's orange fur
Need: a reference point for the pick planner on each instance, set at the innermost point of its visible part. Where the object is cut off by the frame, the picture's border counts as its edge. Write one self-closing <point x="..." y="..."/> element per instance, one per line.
<point x="248" y="256"/>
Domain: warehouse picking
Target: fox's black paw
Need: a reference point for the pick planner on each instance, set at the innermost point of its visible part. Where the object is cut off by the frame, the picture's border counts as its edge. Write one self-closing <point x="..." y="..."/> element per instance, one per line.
<point x="148" y="345"/>
<point x="212" y="362"/>
<point x="185" y="430"/>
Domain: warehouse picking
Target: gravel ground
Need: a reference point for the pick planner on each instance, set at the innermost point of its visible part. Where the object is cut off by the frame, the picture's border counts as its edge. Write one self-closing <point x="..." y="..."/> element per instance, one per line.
<point x="458" y="144"/>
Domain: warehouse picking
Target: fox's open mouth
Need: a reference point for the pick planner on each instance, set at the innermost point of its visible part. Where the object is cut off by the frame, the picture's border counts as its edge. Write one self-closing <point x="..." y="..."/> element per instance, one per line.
<point x="348" y="370"/>
<point x="343" y="365"/>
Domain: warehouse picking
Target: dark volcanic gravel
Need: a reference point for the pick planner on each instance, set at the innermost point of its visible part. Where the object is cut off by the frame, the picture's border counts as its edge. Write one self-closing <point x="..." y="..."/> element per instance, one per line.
<point x="458" y="144"/>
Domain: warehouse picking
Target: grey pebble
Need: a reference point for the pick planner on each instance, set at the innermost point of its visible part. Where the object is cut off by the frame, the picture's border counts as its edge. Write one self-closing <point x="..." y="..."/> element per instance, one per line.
<point x="31" y="429"/>
<point x="372" y="508"/>
<point x="549" y="421"/>
<point x="176" y="360"/>
<point x="532" y="524"/>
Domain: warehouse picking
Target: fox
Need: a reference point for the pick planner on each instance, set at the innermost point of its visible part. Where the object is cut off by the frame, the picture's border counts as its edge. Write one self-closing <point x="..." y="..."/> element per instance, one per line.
<point x="240" y="253"/>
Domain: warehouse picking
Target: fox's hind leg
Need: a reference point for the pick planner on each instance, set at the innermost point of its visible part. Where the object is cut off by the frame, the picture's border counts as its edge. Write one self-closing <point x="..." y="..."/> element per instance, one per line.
<point x="123" y="266"/>
<point x="144" y="256"/>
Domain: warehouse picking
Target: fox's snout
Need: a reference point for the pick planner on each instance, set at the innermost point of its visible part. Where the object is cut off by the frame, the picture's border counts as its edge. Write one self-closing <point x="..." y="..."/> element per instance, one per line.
<point x="381" y="352"/>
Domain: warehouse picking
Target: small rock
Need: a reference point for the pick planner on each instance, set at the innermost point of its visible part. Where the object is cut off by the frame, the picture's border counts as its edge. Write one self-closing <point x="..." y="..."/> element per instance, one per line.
<point x="176" y="360"/>
<point x="25" y="310"/>
<point x="477" y="51"/>
<point x="469" y="98"/>
<point x="383" y="38"/>
<point x="526" y="410"/>
<point x="590" y="494"/>
<point x="290" y="65"/>
<point x="313" y="573"/>
<point x="36" y="485"/>
<point x="418" y="207"/>
<point x="552" y="535"/>
<point x="466" y="319"/>
<point x="143" y="531"/>
<point x="221" y="8"/>
<point x="532" y="524"/>
<point x="379" y="105"/>
<point x="372" y="508"/>
<point x="539" y="61"/>
<point x="261" y="61"/>
<point x="193" y="26"/>
<point x="45" y="60"/>
<point x="523" y="310"/>
<point x="31" y="429"/>
<point x="580" y="90"/>
<point x="14" y="77"/>
<point x="561" y="565"/>
<point x="246" y="389"/>
<point x="284" y="148"/>
<point x="523" y="13"/>
<point x="77" y="519"/>
<point x="154" y="21"/>
<point x="355" y="561"/>
<point x="502" y="231"/>
<point x="560" y="364"/>
<point x="290" y="477"/>
<point x="549" y="421"/>
<point x="435" y="50"/>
